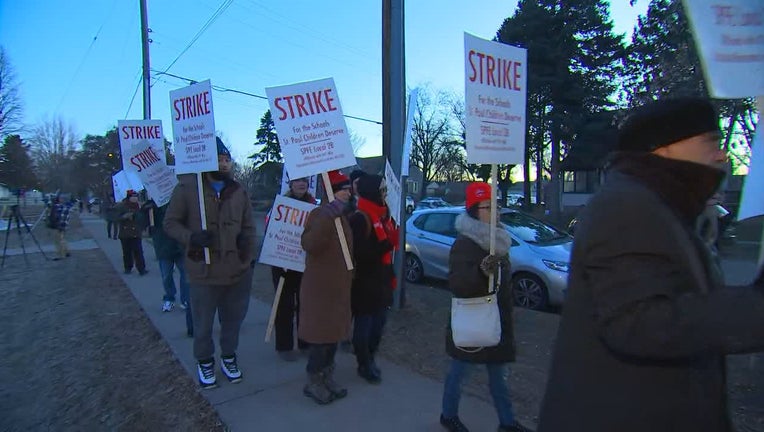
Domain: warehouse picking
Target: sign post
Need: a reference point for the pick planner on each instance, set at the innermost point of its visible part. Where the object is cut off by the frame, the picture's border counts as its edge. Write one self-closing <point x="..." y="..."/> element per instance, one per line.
<point x="193" y="129"/>
<point x="495" y="99"/>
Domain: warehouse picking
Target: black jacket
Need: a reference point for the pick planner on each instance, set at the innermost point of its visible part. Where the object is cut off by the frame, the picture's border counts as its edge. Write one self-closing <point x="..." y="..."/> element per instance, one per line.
<point x="372" y="286"/>
<point x="647" y="320"/>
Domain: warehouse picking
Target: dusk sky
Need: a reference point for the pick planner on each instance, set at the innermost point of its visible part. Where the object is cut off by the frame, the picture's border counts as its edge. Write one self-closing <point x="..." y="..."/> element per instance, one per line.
<point x="253" y="44"/>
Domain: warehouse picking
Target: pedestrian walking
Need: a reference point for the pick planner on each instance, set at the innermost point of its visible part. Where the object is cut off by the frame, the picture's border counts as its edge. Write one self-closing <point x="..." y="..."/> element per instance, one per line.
<point x="325" y="291"/>
<point x="224" y="285"/>
<point x="112" y="219"/>
<point x="374" y="240"/>
<point x="470" y="266"/>
<point x="648" y="321"/>
<point x="288" y="312"/>
<point x="132" y="222"/>
<point x="58" y="220"/>
<point x="169" y="254"/>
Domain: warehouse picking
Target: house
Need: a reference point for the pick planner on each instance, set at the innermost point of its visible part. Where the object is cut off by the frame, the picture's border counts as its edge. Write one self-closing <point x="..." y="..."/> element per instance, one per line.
<point x="376" y="165"/>
<point x="5" y="193"/>
<point x="266" y="181"/>
<point x="583" y="168"/>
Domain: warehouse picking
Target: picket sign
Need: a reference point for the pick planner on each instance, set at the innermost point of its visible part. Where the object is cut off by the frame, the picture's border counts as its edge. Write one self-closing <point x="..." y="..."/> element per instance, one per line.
<point x="338" y="224"/>
<point x="274" y="308"/>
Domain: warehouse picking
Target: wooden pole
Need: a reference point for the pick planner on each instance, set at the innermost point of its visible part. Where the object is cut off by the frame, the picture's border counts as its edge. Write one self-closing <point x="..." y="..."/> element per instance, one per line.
<point x="274" y="308"/>
<point x="203" y="212"/>
<point x="338" y="224"/>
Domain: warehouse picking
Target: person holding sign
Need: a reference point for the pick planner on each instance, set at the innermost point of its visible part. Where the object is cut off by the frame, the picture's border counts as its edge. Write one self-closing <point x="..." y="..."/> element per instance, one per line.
<point x="648" y="320"/>
<point x="289" y="303"/>
<point x="223" y="286"/>
<point x="132" y="222"/>
<point x="325" y="291"/>
<point x="470" y="266"/>
<point x="374" y="240"/>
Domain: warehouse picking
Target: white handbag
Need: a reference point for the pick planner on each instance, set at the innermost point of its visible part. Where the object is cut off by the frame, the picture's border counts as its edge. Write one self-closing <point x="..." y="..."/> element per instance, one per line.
<point x="475" y="322"/>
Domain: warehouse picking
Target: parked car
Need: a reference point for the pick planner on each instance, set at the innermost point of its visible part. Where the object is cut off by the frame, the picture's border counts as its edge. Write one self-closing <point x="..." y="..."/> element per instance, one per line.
<point x="431" y="203"/>
<point x="410" y="204"/>
<point x="540" y="254"/>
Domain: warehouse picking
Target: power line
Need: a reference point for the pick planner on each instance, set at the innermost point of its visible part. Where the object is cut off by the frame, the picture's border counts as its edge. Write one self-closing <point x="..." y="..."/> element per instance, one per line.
<point x="223" y="6"/>
<point x="132" y="99"/>
<point x="241" y="92"/>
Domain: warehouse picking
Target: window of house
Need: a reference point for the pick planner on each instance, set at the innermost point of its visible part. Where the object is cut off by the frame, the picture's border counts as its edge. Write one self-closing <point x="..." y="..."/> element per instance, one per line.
<point x="412" y="186"/>
<point x="580" y="181"/>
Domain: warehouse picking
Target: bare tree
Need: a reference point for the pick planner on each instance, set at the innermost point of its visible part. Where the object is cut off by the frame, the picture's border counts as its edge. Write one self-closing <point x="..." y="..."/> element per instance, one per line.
<point x="10" y="101"/>
<point x="54" y="144"/>
<point x="356" y="141"/>
<point x="437" y="148"/>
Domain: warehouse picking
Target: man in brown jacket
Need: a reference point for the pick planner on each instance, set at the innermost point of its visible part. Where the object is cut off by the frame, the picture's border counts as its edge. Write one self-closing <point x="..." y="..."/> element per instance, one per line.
<point x="223" y="285"/>
<point x="325" y="291"/>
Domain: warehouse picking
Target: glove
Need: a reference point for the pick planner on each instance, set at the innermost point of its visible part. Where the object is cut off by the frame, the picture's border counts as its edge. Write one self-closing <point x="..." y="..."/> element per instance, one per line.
<point x="201" y="239"/>
<point x="336" y="208"/>
<point x="149" y="205"/>
<point x="491" y="264"/>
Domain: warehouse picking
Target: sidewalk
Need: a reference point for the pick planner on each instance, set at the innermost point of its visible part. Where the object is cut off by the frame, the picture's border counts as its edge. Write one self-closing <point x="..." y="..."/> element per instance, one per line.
<point x="270" y="397"/>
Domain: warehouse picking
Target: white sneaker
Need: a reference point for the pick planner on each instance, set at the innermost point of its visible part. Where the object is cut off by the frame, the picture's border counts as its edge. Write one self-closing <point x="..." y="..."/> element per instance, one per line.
<point x="184" y="305"/>
<point x="230" y="369"/>
<point x="167" y="306"/>
<point x="206" y="372"/>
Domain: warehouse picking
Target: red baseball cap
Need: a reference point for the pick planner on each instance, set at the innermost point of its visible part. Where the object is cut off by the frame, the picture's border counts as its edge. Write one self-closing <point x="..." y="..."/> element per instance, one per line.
<point x="477" y="192"/>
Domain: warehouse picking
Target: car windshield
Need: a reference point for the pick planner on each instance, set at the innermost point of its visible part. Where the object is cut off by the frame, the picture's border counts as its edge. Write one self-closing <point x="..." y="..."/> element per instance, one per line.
<point x="531" y="230"/>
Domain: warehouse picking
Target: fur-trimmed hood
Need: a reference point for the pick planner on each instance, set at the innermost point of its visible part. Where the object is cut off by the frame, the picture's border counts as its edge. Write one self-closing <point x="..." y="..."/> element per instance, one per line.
<point x="480" y="233"/>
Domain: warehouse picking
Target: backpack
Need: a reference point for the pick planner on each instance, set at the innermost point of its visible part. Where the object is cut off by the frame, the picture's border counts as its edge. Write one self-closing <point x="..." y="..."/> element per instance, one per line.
<point x="53" y="217"/>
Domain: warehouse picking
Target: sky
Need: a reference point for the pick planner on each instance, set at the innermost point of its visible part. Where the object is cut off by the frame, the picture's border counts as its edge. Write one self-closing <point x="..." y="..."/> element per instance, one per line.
<point x="81" y="60"/>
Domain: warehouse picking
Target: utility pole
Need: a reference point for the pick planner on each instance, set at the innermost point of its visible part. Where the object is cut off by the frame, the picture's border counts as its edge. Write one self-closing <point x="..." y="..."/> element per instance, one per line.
<point x="146" y="66"/>
<point x="394" y="112"/>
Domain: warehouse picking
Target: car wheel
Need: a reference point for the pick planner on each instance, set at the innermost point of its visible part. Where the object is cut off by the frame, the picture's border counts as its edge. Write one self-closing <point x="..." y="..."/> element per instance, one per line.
<point x="414" y="270"/>
<point x="529" y="292"/>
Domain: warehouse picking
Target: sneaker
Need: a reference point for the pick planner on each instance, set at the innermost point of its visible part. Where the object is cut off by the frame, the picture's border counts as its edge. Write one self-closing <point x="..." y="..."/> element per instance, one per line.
<point x="167" y="306"/>
<point x="453" y="424"/>
<point x="184" y="305"/>
<point x="206" y="373"/>
<point x="230" y="369"/>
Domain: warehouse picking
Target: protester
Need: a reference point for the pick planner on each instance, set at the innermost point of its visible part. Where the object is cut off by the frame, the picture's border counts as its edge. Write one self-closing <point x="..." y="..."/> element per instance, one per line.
<point x="289" y="302"/>
<point x="355" y="175"/>
<point x="647" y="320"/>
<point x="325" y="291"/>
<point x="169" y="254"/>
<point x="112" y="219"/>
<point x="132" y="222"/>
<point x="470" y="266"/>
<point x="58" y="220"/>
<point x="224" y="285"/>
<point x="374" y="239"/>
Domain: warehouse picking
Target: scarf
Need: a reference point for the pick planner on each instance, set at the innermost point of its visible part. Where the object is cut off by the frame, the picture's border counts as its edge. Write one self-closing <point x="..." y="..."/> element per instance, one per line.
<point x="480" y="233"/>
<point x="383" y="227"/>
<point x="684" y="186"/>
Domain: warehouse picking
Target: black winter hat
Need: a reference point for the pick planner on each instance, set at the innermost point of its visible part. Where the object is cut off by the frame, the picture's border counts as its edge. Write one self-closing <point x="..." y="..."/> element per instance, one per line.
<point x="368" y="188"/>
<point x="666" y="121"/>
<point x="356" y="174"/>
<point x="222" y="149"/>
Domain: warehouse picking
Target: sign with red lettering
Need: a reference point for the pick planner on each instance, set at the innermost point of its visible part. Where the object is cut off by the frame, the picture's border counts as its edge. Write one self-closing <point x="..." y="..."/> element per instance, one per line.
<point x="193" y="129"/>
<point x="311" y="128"/>
<point x="156" y="176"/>
<point x="281" y="245"/>
<point x="729" y="35"/>
<point x="495" y="96"/>
<point x="134" y="132"/>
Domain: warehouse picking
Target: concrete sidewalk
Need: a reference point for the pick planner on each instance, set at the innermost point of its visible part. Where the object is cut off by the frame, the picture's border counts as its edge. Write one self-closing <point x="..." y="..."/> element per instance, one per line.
<point x="270" y="397"/>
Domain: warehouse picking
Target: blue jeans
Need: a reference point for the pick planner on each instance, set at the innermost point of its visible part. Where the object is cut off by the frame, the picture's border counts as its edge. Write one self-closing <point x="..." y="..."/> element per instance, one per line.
<point x="497" y="381"/>
<point x="166" y="268"/>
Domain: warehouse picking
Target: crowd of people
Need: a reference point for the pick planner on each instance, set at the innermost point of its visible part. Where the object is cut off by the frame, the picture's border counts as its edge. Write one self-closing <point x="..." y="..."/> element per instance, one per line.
<point x="644" y="331"/>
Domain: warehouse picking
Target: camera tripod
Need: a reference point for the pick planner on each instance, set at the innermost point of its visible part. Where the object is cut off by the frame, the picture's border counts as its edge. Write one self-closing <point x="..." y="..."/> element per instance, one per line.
<point x="15" y="216"/>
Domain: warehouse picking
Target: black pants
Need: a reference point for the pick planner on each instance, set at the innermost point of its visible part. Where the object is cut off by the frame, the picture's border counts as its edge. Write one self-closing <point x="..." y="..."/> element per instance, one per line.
<point x="288" y="312"/>
<point x="132" y="251"/>
<point x="112" y="227"/>
<point x="321" y="357"/>
<point x="367" y="335"/>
